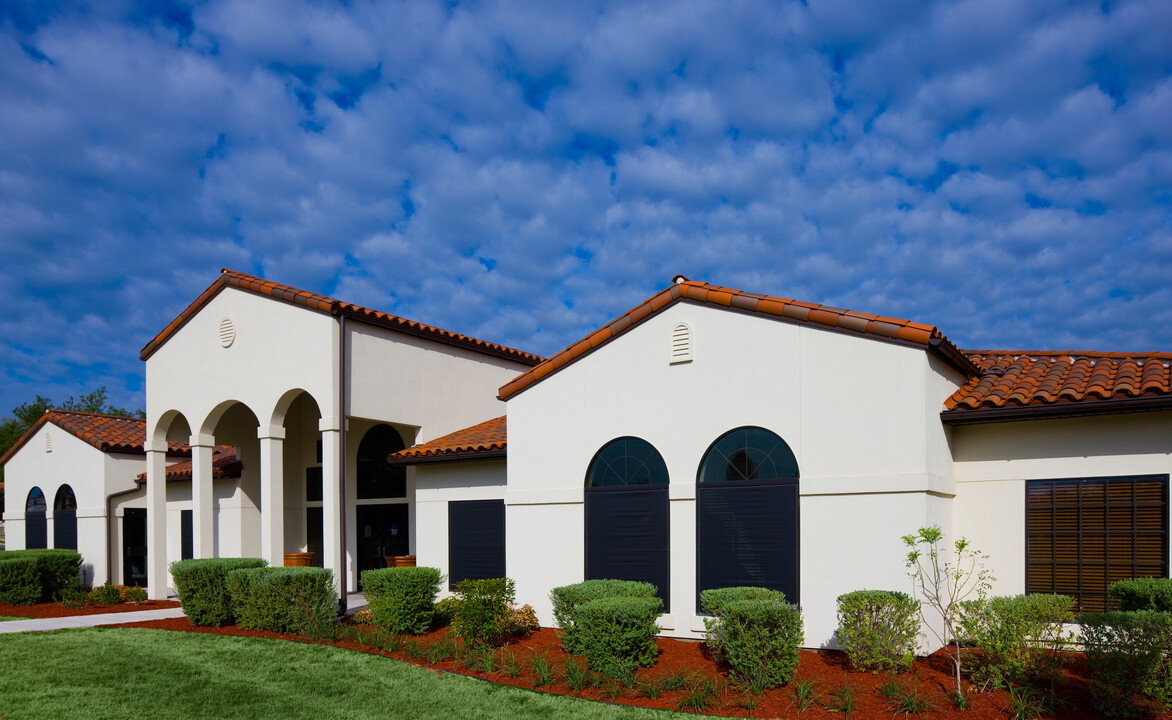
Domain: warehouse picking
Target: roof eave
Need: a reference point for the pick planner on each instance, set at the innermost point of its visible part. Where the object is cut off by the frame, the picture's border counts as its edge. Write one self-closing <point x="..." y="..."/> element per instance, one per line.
<point x="1080" y="408"/>
<point x="450" y="457"/>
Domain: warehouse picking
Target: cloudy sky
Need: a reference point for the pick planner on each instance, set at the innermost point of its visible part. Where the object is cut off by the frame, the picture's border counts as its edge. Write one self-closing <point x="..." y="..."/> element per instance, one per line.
<point x="524" y="172"/>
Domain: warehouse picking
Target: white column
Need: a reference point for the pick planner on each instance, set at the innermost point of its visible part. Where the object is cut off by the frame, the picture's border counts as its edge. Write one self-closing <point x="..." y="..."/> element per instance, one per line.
<point x="156" y="500"/>
<point x="203" y="501"/>
<point x="272" y="494"/>
<point x="331" y="447"/>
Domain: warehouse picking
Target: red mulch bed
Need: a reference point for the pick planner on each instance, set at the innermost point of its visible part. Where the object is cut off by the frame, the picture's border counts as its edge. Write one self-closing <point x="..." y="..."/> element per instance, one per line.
<point x="828" y="669"/>
<point x="56" y="610"/>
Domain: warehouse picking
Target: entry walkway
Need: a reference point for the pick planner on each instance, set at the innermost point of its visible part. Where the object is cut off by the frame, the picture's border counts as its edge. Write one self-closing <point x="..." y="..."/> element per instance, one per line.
<point x="354" y="602"/>
<point x="77" y="621"/>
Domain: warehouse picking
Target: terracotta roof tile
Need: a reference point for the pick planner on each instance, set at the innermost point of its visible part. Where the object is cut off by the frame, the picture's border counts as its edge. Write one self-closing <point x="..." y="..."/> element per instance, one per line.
<point x="322" y="303"/>
<point x="1062" y="379"/>
<point x="108" y="433"/>
<point x="817" y="315"/>
<point x="224" y="465"/>
<point x="483" y="441"/>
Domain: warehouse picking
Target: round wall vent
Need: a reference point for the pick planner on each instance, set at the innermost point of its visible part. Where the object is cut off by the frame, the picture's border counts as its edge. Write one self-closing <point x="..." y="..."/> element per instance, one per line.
<point x="227" y="332"/>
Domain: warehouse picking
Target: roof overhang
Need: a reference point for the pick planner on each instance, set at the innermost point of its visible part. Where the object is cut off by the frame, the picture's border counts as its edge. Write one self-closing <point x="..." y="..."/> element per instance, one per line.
<point x="1081" y="408"/>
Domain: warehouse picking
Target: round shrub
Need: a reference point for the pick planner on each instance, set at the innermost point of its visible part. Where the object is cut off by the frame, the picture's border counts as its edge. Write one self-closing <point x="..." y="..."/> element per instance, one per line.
<point x="713" y="601"/>
<point x="481" y="611"/>
<point x="298" y="600"/>
<point x="20" y="582"/>
<point x="1018" y="639"/>
<point x="1129" y="655"/>
<point x="567" y="598"/>
<point x="1143" y="594"/>
<point x="106" y="595"/>
<point x="203" y="587"/>
<point x="877" y="629"/>
<point x="57" y="569"/>
<point x="402" y="599"/>
<point x="758" y="640"/>
<point x="617" y="634"/>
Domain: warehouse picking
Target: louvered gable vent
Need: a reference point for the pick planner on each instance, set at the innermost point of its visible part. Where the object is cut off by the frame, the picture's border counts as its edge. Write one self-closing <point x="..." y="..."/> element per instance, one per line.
<point x="681" y="344"/>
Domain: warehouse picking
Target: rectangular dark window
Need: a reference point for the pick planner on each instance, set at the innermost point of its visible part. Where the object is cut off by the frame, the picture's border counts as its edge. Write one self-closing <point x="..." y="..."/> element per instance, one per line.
<point x="1083" y="534"/>
<point x="313" y="487"/>
<point x="187" y="532"/>
<point x="476" y="540"/>
<point x="315" y="535"/>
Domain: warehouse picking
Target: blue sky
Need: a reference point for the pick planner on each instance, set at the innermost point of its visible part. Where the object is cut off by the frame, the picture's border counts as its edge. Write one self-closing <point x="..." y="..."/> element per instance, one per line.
<point x="524" y="172"/>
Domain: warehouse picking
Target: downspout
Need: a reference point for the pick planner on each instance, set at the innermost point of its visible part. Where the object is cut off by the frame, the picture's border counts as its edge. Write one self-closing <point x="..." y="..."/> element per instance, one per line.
<point x="110" y="529"/>
<point x="343" y="581"/>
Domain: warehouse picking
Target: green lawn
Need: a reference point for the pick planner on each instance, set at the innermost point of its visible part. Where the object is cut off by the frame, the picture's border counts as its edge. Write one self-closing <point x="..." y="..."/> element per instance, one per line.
<point x="13" y="617"/>
<point x="125" y="673"/>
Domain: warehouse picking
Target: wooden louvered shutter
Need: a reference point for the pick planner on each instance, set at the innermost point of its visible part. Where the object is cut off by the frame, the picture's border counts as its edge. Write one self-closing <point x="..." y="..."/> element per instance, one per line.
<point x="1084" y="534"/>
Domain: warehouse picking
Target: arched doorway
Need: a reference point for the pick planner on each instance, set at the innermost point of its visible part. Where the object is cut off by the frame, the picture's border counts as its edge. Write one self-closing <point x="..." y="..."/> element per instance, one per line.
<point x="747" y="513"/>
<point x="36" y="531"/>
<point x="65" y="519"/>
<point x="383" y="525"/>
<point x="626" y="515"/>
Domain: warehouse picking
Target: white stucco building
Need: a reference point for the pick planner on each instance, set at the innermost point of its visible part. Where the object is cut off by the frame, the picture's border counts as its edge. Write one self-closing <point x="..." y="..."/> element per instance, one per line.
<point x="707" y="437"/>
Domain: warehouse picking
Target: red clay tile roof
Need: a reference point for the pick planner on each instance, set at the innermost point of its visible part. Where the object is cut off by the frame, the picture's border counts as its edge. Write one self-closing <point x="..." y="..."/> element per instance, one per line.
<point x="1029" y="383"/>
<point x="479" y="442"/>
<point x="224" y="465"/>
<point x="108" y="433"/>
<point x="323" y="304"/>
<point x="886" y="328"/>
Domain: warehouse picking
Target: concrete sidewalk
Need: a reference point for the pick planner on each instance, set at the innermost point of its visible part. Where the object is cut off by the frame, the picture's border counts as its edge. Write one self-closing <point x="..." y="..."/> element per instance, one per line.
<point x="354" y="601"/>
<point x="76" y="621"/>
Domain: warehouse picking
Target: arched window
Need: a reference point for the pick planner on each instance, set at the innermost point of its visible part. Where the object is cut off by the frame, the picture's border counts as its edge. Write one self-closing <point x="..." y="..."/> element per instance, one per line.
<point x="35" y="528"/>
<point x="748" y="454"/>
<point x="626" y="513"/>
<point x="377" y="479"/>
<point x="65" y="519"/>
<point x="747" y="525"/>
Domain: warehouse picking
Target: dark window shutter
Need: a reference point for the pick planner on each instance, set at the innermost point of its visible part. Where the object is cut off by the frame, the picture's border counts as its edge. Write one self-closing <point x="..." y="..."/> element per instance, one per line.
<point x="476" y="540"/>
<point x="1082" y="534"/>
<point x="747" y="535"/>
<point x="627" y="536"/>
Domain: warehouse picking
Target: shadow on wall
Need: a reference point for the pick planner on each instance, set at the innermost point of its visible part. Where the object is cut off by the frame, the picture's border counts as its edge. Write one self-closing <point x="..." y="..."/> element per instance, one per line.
<point x="1141" y="433"/>
<point x="86" y="574"/>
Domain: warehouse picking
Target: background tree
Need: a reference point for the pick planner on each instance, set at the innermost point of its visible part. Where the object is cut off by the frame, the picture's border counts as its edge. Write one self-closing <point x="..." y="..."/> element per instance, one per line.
<point x="25" y="415"/>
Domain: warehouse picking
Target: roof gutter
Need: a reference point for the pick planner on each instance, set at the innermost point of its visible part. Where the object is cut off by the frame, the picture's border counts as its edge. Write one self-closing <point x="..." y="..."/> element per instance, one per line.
<point x="449" y="457"/>
<point x="952" y="355"/>
<point x="1060" y="410"/>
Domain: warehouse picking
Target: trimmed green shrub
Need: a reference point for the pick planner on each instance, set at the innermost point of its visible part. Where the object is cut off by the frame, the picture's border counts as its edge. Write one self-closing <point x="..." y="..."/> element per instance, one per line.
<point x="617" y="634"/>
<point x="1017" y="639"/>
<point x="135" y="595"/>
<point x="713" y="601"/>
<point x="567" y="598"/>
<point x="445" y="610"/>
<point x="299" y="600"/>
<point x="20" y="581"/>
<point x="1129" y="655"/>
<point x="57" y="569"/>
<point x="481" y="613"/>
<point x="106" y="595"/>
<point x="877" y="629"/>
<point x="402" y="599"/>
<point x="758" y="640"/>
<point x="73" y="597"/>
<point x="203" y="587"/>
<point x="1143" y="594"/>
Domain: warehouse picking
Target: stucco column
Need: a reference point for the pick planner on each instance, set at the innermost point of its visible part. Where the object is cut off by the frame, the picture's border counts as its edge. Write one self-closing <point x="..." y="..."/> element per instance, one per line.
<point x="156" y="501"/>
<point x="203" y="501"/>
<point x="331" y="446"/>
<point x="272" y="494"/>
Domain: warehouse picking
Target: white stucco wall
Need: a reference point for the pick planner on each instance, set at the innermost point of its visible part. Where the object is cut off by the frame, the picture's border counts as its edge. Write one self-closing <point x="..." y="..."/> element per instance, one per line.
<point x="438" y="484"/>
<point x="993" y="463"/>
<point x="90" y="473"/>
<point x="423" y="388"/>
<point x="874" y="463"/>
